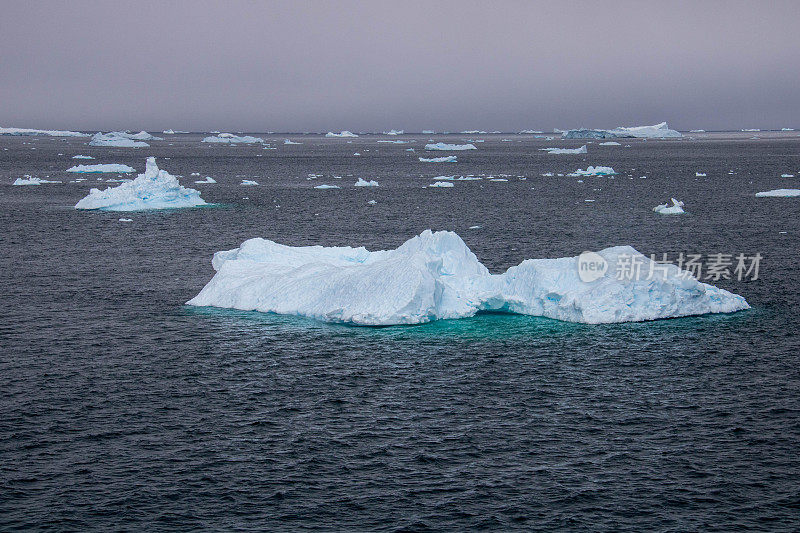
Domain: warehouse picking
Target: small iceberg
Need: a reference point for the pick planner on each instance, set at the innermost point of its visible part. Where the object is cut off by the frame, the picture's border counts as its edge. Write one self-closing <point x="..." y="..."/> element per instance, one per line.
<point x="248" y="183"/>
<point x="91" y="169"/>
<point x="610" y="143"/>
<point x="581" y="150"/>
<point x="700" y="174"/>
<point x="117" y="139"/>
<point x="208" y="179"/>
<point x="345" y="133"/>
<point x="393" y="132"/>
<point x="49" y="133"/>
<point x="323" y="186"/>
<point x="82" y="157"/>
<point x="126" y="220"/>
<point x="230" y="138"/>
<point x="594" y="171"/>
<point x="155" y="189"/>
<point x="436" y="276"/>
<point x="441" y="184"/>
<point x="289" y="141"/>
<point x="675" y="209"/>
<point x="787" y="175"/>
<point x="530" y="132"/>
<point x="28" y="180"/>
<point x="364" y="183"/>
<point x="447" y="159"/>
<point x="449" y="147"/>
<point x="779" y="193"/>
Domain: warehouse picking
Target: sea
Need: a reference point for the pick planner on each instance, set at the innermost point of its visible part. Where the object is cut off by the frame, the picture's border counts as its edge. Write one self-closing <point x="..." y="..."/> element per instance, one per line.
<point x="123" y="409"/>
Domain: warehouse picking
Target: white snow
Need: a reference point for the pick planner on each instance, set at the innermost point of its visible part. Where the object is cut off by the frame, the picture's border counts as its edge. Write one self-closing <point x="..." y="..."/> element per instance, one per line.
<point x="441" y="184"/>
<point x="581" y="150"/>
<point x="155" y="189"/>
<point x="324" y="186"/>
<point x="594" y="171"/>
<point x="82" y="157"/>
<point x="779" y="193"/>
<point x="230" y="138"/>
<point x="449" y="147"/>
<point x="436" y="276"/>
<point x="208" y="179"/>
<point x="118" y="139"/>
<point x="345" y="133"/>
<point x="364" y="183"/>
<point x="675" y="209"/>
<point x="447" y="159"/>
<point x="51" y="133"/>
<point x="248" y="183"/>
<point x="90" y="169"/>
<point x="28" y="180"/>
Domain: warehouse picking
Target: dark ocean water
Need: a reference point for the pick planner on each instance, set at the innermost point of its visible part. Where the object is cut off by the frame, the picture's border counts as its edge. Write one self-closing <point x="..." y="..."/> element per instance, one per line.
<point x="122" y="409"/>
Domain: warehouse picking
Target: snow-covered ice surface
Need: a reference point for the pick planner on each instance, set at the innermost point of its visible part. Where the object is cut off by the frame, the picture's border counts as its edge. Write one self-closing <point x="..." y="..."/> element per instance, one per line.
<point x="28" y="180"/>
<point x="49" y="133"/>
<point x="449" y="147"/>
<point x="436" y="276"/>
<point x="118" y="139"/>
<point x="364" y="183"/>
<point x="446" y="159"/>
<point x="155" y="189"/>
<point x="657" y="131"/>
<point x="779" y="193"/>
<point x="345" y="133"/>
<point x="230" y="138"/>
<point x="581" y="150"/>
<point x="89" y="169"/>
<point x="675" y="209"/>
<point x="594" y="171"/>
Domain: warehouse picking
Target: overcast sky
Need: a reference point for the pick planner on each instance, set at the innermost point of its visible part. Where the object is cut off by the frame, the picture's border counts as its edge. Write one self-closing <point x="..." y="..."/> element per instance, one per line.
<point x="366" y="66"/>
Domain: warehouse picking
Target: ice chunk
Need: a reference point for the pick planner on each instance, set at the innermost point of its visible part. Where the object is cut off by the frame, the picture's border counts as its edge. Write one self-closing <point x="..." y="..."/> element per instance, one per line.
<point x="610" y="143"/>
<point x="581" y="150"/>
<point x="118" y="139"/>
<point x="345" y="133"/>
<point x="594" y="171"/>
<point x="394" y="142"/>
<point x="126" y="220"/>
<point x="230" y="138"/>
<point x="208" y="179"/>
<point x="82" y="157"/>
<point x="529" y="132"/>
<point x="658" y="131"/>
<point x="697" y="131"/>
<point x="393" y="132"/>
<point x="436" y="276"/>
<point x="28" y="180"/>
<point x="447" y="159"/>
<point x="248" y="182"/>
<point x="155" y="189"/>
<point x="364" y="183"/>
<point x="700" y="174"/>
<point x="289" y="141"/>
<point x="90" y="169"/>
<point x="441" y="184"/>
<point x="787" y="175"/>
<point x="51" y="133"/>
<point x="783" y="193"/>
<point x="449" y="147"/>
<point x="675" y="209"/>
<point x="324" y="186"/>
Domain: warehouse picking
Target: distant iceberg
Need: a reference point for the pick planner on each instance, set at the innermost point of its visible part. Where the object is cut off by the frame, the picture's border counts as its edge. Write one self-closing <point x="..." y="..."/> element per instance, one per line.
<point x="51" y="133"/>
<point x="289" y="141"/>
<point x="117" y="138"/>
<point x="700" y="174"/>
<point x="594" y="171"/>
<point x="89" y="169"/>
<point x="28" y="180"/>
<point x="779" y="193"/>
<point x="473" y="131"/>
<point x="324" y="186"/>
<point x="787" y="129"/>
<point x="230" y="138"/>
<point x="610" y="143"/>
<point x="364" y="183"/>
<point x="530" y="132"/>
<point x="675" y="209"/>
<point x="441" y="184"/>
<point x="392" y="132"/>
<point x="697" y="131"/>
<point x="449" y="147"/>
<point x="657" y="131"/>
<point x="208" y="179"/>
<point x="447" y="159"/>
<point x="581" y="150"/>
<point x="436" y="276"/>
<point x="345" y="133"/>
<point x="82" y="157"/>
<point x="155" y="189"/>
<point x="248" y="183"/>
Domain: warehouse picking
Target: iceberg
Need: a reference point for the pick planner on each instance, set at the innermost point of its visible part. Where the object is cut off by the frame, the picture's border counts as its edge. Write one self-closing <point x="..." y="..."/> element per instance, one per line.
<point x="675" y="209"/>
<point x="447" y="159"/>
<point x="289" y="141"/>
<point x="345" y="133"/>
<point x="155" y="189"/>
<point x="230" y="138"/>
<point x="118" y="139"/>
<point x="697" y="131"/>
<point x="436" y="276"/>
<point x="581" y="150"/>
<point x="529" y="132"/>
<point x="779" y="193"/>
<point x="441" y="184"/>
<point x="657" y="131"/>
<point x="393" y="132"/>
<point x="82" y="157"/>
<point x="324" y="186"/>
<point x="594" y="171"/>
<point x="208" y="179"/>
<point x="364" y="183"/>
<point x="248" y="183"/>
<point x="787" y="129"/>
<point x="449" y="147"/>
<point x="28" y="180"/>
<point x="89" y="169"/>
<point x="700" y="174"/>
<point x="610" y="143"/>
<point x="51" y="133"/>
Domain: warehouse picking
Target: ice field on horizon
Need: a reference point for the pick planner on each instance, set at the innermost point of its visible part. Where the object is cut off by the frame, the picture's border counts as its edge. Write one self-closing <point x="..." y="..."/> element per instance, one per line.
<point x="91" y="169"/>
<point x="50" y="133"/>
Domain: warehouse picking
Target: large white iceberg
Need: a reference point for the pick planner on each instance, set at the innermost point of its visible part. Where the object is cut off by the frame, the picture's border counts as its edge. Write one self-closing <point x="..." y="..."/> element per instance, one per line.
<point x="344" y="133"/>
<point x="446" y="159"/>
<point x="230" y="138"/>
<point x="779" y="193"/>
<point x="436" y="276"/>
<point x="449" y="147"/>
<point x="51" y="133"/>
<point x="657" y="131"/>
<point x="119" y="139"/>
<point x="88" y="169"/>
<point x="155" y="189"/>
<point x="581" y="150"/>
<point x="675" y="209"/>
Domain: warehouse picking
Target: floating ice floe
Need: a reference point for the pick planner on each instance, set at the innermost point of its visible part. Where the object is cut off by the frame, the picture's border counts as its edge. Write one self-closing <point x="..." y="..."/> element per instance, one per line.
<point x="393" y="132"/>
<point x="289" y="141"/>
<point x="751" y="129"/>
<point x="787" y="129"/>
<point x="155" y="189"/>
<point x="364" y="183"/>
<point x="441" y="184"/>
<point x="697" y="131"/>
<point x="345" y="133"/>
<point x="82" y="157"/>
<point x="529" y="132"/>
<point x="51" y="133"/>
<point x="675" y="209"/>
<point x="658" y="131"/>
<point x="372" y="202"/>
<point x="700" y="174"/>
<point x="247" y="183"/>
<point x="230" y="138"/>
<point x="28" y="180"/>
<point x="394" y="142"/>
<point x="91" y="169"/>
<point x="787" y="175"/>
<point x="449" y="147"/>
<point x="126" y="220"/>
<point x="610" y="143"/>
<point x="208" y="179"/>
<point x="324" y="186"/>
<point x="594" y="171"/>
<point x="581" y="150"/>
<point x="447" y="159"/>
<point x="779" y="193"/>
<point x="118" y="139"/>
<point x="356" y="154"/>
<point x="436" y="276"/>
